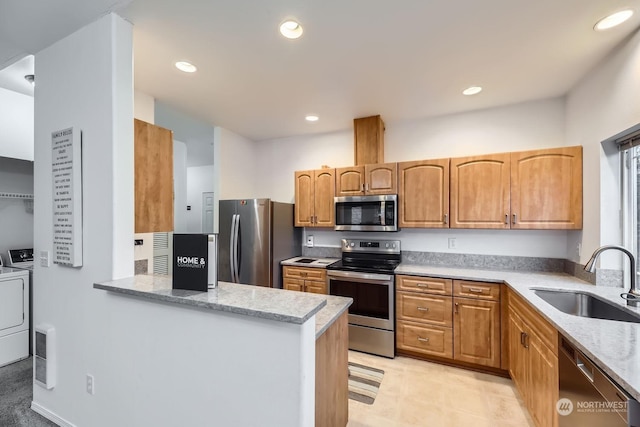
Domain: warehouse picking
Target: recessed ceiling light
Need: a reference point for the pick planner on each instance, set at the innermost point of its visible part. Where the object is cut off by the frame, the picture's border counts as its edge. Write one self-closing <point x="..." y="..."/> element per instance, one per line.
<point x="31" y="79"/>
<point x="472" y="90"/>
<point x="185" y="66"/>
<point x="613" y="20"/>
<point x="312" y="118"/>
<point x="291" y="29"/>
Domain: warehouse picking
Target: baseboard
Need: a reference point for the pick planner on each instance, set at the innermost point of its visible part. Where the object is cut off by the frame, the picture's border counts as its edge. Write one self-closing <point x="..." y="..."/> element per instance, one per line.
<point x="50" y="415"/>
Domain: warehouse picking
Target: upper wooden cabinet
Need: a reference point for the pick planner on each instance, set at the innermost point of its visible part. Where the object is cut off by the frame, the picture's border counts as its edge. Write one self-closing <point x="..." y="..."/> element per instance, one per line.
<point x="546" y="189"/>
<point x="314" y="193"/>
<point x="480" y="191"/>
<point x="367" y="180"/>
<point x="368" y="134"/>
<point x="153" y="163"/>
<point x="424" y="193"/>
<point x="539" y="189"/>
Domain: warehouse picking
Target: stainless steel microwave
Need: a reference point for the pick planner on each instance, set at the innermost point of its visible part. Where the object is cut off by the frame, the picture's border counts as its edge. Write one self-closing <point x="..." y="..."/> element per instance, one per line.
<point x="367" y="213"/>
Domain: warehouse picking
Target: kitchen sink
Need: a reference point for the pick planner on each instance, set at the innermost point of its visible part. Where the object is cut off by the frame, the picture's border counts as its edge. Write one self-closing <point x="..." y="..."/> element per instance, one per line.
<point x="585" y="305"/>
<point x="306" y="260"/>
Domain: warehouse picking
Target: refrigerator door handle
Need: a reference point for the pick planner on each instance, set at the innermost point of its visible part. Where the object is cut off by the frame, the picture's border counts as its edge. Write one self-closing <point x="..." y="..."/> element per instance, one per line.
<point x="232" y="256"/>
<point x="236" y="252"/>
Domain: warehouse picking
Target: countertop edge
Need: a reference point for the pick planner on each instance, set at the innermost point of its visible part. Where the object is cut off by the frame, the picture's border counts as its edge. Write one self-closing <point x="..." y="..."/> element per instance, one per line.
<point x="335" y="316"/>
<point x="269" y="315"/>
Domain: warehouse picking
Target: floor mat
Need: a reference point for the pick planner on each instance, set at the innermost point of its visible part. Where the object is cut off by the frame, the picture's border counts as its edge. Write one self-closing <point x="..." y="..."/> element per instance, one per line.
<point x="364" y="382"/>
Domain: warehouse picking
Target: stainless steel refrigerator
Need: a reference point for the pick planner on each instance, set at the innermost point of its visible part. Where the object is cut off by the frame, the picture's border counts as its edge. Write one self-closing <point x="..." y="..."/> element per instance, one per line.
<point x="254" y="236"/>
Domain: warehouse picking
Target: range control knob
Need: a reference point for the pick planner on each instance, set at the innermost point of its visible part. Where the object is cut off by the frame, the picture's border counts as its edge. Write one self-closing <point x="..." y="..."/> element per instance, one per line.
<point x="393" y="245"/>
<point x="386" y="245"/>
<point x="352" y="244"/>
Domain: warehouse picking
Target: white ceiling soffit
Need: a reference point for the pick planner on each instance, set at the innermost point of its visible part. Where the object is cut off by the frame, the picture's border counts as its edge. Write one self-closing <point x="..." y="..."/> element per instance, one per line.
<point x="28" y="26"/>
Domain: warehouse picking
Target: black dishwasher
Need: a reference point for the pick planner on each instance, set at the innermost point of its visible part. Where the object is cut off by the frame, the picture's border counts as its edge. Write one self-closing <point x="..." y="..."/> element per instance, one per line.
<point x="588" y="397"/>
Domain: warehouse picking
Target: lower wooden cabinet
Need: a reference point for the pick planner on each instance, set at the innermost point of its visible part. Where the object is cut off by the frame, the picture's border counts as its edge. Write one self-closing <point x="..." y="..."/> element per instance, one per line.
<point x="476" y="326"/>
<point x="302" y="279"/>
<point x="452" y="319"/>
<point x="533" y="361"/>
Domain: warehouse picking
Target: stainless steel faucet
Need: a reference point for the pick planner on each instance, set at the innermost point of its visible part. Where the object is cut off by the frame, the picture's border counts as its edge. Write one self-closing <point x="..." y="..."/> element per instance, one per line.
<point x="633" y="296"/>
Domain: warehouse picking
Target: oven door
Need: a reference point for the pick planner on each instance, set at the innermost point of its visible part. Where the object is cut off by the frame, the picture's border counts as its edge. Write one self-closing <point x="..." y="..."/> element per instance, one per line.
<point x="373" y="297"/>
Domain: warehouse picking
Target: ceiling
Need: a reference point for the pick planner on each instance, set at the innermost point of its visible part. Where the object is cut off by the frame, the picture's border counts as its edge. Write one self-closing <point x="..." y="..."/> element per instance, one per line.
<point x="402" y="60"/>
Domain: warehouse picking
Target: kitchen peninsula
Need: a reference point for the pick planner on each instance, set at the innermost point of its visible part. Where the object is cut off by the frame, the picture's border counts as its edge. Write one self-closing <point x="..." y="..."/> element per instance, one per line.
<point x="238" y="355"/>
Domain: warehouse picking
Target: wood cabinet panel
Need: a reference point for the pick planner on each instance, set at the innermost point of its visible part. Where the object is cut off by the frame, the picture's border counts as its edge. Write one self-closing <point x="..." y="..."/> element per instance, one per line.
<point x="430" y="285"/>
<point x="153" y="178"/>
<point x="315" y="287"/>
<point x="332" y="375"/>
<point x="304" y="279"/>
<point x="481" y="191"/>
<point x="481" y="290"/>
<point x="542" y="328"/>
<point x="424" y="194"/>
<point x="350" y="181"/>
<point x="381" y="178"/>
<point x="476" y="331"/>
<point x="368" y="135"/>
<point x="546" y="189"/>
<point x="293" y="284"/>
<point x="325" y="191"/>
<point x="425" y="339"/>
<point x="517" y="355"/>
<point x="543" y="383"/>
<point x="304" y="198"/>
<point x="433" y="309"/>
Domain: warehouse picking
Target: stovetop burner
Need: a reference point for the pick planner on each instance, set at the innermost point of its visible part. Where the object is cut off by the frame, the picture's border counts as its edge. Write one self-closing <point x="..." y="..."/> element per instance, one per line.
<point x="368" y="256"/>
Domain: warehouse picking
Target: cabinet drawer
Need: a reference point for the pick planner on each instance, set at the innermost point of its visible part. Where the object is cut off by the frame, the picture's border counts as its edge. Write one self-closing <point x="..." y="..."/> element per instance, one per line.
<point x="293" y="284"/>
<point x="425" y="308"/>
<point x="316" y="287"/>
<point x="433" y="340"/>
<point x="319" y="274"/>
<point x="430" y="285"/>
<point x="480" y="290"/>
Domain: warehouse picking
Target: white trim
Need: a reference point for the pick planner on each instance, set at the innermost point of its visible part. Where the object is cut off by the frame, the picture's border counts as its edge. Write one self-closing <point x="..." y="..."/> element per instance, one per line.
<point x="50" y="415"/>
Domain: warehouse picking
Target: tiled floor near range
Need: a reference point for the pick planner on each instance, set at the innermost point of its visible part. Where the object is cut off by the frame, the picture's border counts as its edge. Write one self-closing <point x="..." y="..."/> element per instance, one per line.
<point x="424" y="394"/>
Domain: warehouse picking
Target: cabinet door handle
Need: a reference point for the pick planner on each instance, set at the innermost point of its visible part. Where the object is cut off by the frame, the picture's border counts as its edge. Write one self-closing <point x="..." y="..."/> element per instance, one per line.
<point x="362" y="187"/>
<point x="422" y="285"/>
<point x="446" y="219"/>
<point x="476" y="290"/>
<point x="455" y="308"/>
<point x="515" y="219"/>
<point x="506" y="218"/>
<point x="423" y="339"/>
<point x="526" y="340"/>
<point x="522" y="338"/>
<point x="423" y="308"/>
<point x="366" y="186"/>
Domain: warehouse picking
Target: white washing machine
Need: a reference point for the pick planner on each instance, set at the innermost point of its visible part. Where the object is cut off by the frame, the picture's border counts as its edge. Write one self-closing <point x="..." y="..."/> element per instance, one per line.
<point x="14" y="315"/>
<point x="23" y="259"/>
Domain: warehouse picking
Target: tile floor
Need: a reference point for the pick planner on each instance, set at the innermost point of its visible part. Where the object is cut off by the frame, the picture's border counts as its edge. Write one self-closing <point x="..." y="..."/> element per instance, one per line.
<point x="418" y="393"/>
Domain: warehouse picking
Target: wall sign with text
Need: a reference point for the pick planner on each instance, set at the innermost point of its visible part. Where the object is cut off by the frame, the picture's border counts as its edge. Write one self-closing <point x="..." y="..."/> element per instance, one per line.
<point x="66" y="162"/>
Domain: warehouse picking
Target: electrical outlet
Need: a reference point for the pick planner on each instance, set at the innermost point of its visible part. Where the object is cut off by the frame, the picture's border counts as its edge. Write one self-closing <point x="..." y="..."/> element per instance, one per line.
<point x="452" y="243"/>
<point x="579" y="250"/>
<point x="310" y="241"/>
<point x="91" y="384"/>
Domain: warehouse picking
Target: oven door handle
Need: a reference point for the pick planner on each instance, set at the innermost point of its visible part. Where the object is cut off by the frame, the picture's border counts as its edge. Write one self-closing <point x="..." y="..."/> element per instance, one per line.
<point x="359" y="277"/>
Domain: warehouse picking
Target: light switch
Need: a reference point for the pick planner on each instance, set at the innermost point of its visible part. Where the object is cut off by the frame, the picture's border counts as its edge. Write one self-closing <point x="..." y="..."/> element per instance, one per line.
<point x="45" y="259"/>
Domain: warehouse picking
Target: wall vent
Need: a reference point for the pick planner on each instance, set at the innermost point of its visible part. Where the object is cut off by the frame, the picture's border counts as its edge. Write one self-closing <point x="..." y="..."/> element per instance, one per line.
<point x="45" y="356"/>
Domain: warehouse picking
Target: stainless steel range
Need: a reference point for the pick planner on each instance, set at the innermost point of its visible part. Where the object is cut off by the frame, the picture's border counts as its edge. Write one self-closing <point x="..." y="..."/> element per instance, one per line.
<point x="365" y="274"/>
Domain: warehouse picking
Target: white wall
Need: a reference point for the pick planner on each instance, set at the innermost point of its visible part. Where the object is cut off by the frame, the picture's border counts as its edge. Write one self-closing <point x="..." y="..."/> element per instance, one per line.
<point x="102" y="107"/>
<point x="199" y="180"/>
<point x="519" y="127"/>
<point x="603" y="104"/>
<point x="143" y="107"/>
<point x="238" y="178"/>
<point x="16" y="125"/>
<point x="180" y="213"/>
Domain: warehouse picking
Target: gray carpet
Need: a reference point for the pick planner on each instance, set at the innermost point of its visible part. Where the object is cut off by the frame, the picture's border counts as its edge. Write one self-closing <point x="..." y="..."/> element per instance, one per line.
<point x="16" y="392"/>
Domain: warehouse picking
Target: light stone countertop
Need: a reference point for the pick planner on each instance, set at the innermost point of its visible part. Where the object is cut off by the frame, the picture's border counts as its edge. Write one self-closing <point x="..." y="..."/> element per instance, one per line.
<point x="330" y="313"/>
<point x="613" y="345"/>
<point x="255" y="301"/>
<point x="318" y="263"/>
